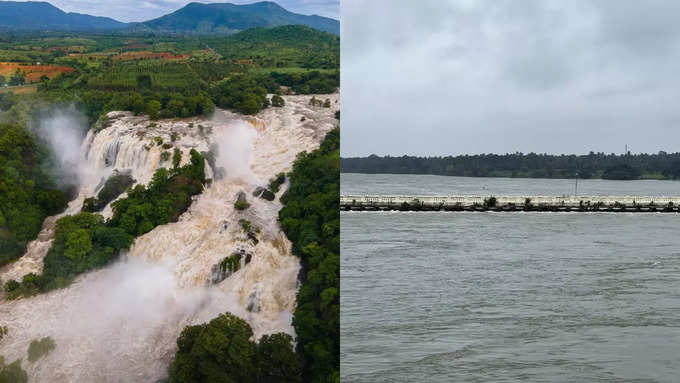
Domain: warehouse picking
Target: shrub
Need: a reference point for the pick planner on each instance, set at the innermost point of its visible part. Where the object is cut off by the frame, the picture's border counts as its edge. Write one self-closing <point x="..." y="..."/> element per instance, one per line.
<point x="39" y="348"/>
<point x="278" y="101"/>
<point x="12" y="373"/>
<point x="276" y="182"/>
<point x="245" y="224"/>
<point x="176" y="158"/>
<point x="241" y="205"/>
<point x="115" y="185"/>
<point x="490" y="202"/>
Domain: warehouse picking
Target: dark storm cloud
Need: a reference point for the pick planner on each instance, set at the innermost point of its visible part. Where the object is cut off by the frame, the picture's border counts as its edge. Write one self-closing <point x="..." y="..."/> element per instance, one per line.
<point x="135" y="10"/>
<point x="436" y="77"/>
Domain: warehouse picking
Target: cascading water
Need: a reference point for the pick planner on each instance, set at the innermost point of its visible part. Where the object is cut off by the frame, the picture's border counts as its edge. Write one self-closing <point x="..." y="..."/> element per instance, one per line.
<point x="121" y="323"/>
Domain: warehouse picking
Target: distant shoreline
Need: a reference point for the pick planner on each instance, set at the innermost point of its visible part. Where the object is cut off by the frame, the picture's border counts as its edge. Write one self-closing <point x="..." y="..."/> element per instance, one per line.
<point x="660" y="166"/>
<point x="643" y="178"/>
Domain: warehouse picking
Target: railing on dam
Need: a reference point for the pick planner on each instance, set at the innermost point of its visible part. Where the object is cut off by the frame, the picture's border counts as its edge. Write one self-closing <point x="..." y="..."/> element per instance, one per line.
<point x="511" y="203"/>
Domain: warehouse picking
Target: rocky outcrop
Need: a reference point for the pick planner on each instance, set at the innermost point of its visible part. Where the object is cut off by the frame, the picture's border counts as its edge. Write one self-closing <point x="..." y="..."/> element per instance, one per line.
<point x="229" y="265"/>
<point x="241" y="201"/>
<point x="263" y="193"/>
<point x="254" y="301"/>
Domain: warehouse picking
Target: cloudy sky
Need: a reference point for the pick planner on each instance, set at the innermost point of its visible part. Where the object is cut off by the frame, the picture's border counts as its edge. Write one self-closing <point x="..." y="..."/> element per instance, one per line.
<point x="438" y="77"/>
<point x="136" y="10"/>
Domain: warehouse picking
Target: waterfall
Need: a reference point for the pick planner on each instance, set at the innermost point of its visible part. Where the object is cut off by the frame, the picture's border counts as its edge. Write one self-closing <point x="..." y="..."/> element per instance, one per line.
<point x="121" y="323"/>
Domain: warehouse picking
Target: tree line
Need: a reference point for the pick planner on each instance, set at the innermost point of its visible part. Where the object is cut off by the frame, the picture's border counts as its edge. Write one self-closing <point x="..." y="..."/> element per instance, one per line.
<point x="628" y="166"/>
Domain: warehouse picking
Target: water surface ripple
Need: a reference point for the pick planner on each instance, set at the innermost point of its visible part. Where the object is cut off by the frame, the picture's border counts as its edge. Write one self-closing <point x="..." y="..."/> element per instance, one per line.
<point x="498" y="297"/>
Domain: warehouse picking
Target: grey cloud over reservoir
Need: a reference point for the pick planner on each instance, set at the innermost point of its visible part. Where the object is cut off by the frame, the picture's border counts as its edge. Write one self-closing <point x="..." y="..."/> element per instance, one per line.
<point x="434" y="77"/>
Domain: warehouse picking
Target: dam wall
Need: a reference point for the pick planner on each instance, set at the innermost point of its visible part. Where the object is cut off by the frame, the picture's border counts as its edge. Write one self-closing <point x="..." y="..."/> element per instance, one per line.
<point x="510" y="203"/>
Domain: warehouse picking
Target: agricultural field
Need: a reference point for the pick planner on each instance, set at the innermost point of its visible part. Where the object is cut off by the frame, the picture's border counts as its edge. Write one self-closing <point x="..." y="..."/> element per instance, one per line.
<point x="149" y="55"/>
<point x="169" y="76"/>
<point x="162" y="75"/>
<point x="21" y="89"/>
<point x="33" y="73"/>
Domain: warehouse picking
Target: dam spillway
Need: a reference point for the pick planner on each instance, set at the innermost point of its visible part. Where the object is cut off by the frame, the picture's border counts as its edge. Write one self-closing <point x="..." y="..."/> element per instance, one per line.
<point x="510" y="203"/>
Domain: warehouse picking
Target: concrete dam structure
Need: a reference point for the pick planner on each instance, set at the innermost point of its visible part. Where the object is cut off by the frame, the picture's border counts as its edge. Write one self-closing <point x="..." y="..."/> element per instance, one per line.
<point x="510" y="203"/>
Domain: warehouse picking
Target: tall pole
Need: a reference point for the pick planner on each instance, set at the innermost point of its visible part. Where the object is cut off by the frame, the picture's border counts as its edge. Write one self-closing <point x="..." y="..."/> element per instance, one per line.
<point x="576" y="185"/>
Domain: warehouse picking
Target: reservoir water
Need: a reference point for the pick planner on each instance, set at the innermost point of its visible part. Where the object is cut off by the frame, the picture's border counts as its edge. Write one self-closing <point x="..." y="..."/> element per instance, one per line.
<point x="505" y="297"/>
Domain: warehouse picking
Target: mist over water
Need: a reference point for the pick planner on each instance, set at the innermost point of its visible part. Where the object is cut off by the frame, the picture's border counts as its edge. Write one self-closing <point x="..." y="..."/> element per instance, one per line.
<point x="121" y="323"/>
<point x="235" y="148"/>
<point x="506" y="297"/>
<point x="64" y="130"/>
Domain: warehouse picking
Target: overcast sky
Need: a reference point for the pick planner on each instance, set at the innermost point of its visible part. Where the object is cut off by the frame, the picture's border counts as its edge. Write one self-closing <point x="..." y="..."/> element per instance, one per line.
<point x="439" y="77"/>
<point x="136" y="10"/>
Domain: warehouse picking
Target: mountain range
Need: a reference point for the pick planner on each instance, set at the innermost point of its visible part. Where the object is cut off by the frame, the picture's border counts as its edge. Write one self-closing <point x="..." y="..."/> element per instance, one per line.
<point x="194" y="18"/>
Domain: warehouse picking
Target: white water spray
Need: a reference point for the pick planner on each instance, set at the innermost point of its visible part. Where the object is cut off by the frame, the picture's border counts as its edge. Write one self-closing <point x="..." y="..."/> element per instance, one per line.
<point x="64" y="130"/>
<point x="121" y="323"/>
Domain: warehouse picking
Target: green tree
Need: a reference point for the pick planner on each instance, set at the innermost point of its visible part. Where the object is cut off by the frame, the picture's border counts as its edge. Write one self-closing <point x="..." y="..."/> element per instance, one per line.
<point x="137" y="103"/>
<point x="78" y="244"/>
<point x="277" y="362"/>
<point x="19" y="78"/>
<point x="176" y="158"/>
<point x="153" y="107"/>
<point x="278" y="101"/>
<point x="220" y="351"/>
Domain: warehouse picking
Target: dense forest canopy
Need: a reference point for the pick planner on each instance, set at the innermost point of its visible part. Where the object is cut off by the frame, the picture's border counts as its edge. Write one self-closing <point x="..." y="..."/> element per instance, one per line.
<point x="28" y="193"/>
<point x="593" y="165"/>
<point x="311" y="220"/>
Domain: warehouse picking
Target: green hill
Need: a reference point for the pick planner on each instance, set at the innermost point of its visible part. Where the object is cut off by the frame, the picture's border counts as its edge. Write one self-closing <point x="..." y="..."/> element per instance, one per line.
<point x="33" y="15"/>
<point x="226" y="18"/>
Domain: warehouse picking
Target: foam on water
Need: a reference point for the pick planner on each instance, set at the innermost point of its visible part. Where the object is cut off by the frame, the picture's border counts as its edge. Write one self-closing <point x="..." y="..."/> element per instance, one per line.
<point x="121" y="323"/>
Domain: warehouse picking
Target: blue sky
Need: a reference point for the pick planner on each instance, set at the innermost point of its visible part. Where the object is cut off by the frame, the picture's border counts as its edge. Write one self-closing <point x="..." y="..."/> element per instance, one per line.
<point x="136" y="10"/>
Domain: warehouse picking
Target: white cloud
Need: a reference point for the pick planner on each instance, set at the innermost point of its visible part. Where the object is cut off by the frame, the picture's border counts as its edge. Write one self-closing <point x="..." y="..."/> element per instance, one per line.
<point x="134" y="10"/>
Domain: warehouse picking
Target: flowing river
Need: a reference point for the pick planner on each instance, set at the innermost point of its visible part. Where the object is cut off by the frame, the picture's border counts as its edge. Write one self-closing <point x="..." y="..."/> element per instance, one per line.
<point x="120" y="324"/>
<point x="506" y="297"/>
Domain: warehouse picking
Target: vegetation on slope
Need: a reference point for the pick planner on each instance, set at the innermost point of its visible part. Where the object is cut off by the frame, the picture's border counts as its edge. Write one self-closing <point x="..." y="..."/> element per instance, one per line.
<point x="85" y="241"/>
<point x="223" y="18"/>
<point x="285" y="46"/>
<point x="114" y="186"/>
<point x="311" y="220"/>
<point x="12" y="373"/>
<point x="27" y="192"/>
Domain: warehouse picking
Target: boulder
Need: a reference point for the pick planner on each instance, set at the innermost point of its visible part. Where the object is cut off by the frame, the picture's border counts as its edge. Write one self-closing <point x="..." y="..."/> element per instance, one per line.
<point x="253" y="238"/>
<point x="266" y="194"/>
<point x="263" y="193"/>
<point x="258" y="191"/>
<point x="253" y="302"/>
